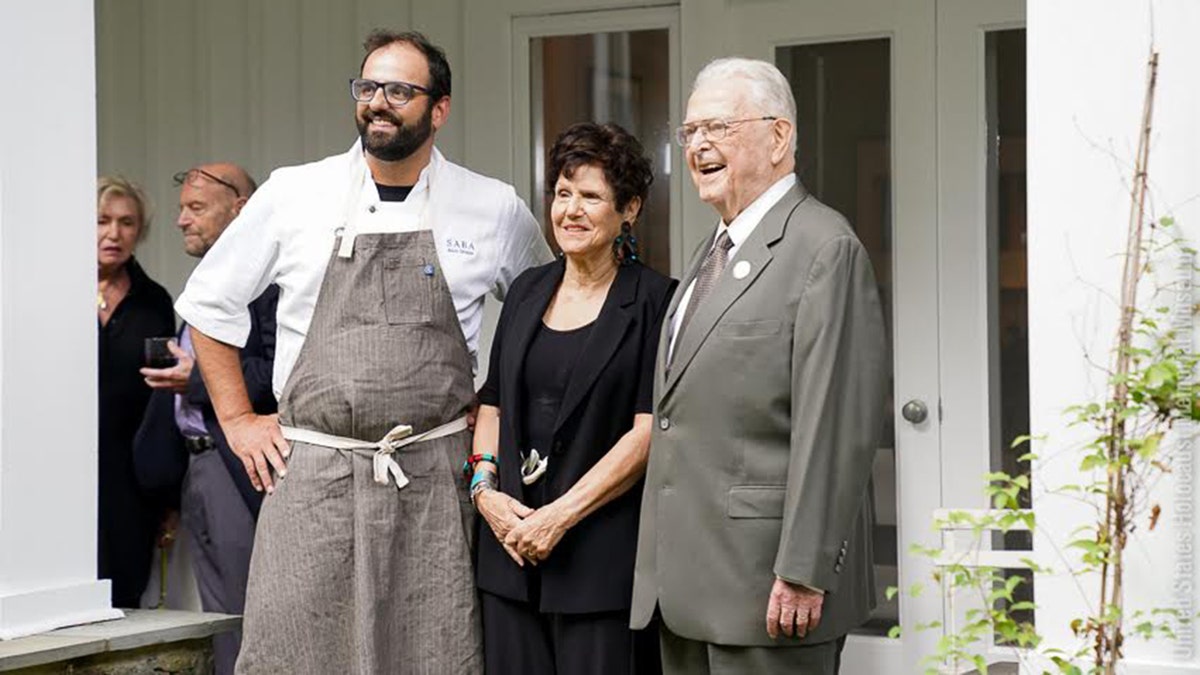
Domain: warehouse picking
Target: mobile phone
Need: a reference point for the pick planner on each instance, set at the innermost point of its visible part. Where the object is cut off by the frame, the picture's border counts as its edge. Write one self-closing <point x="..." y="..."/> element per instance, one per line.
<point x="156" y="354"/>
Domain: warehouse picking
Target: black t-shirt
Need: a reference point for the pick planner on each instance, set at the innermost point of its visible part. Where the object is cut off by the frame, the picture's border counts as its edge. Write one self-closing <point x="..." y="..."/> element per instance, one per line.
<point x="393" y="193"/>
<point x="551" y="357"/>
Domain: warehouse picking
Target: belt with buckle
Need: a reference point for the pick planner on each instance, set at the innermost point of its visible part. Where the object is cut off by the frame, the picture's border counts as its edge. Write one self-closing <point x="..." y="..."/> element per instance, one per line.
<point x="198" y="444"/>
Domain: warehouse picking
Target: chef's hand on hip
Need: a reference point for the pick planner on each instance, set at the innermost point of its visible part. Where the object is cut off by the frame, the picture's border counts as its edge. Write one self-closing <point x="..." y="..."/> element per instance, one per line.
<point x="793" y="609"/>
<point x="258" y="441"/>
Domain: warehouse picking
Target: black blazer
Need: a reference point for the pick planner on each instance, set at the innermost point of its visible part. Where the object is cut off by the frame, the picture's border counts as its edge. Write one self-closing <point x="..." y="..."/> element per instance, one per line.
<point x="591" y="569"/>
<point x="160" y="460"/>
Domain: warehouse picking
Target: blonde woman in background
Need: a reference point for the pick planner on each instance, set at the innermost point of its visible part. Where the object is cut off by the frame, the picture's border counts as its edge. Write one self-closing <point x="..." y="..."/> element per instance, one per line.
<point x="130" y="307"/>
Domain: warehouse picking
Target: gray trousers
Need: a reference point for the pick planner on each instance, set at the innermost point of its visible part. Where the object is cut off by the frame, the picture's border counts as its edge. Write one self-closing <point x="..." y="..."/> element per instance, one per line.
<point x="220" y="537"/>
<point x="681" y="656"/>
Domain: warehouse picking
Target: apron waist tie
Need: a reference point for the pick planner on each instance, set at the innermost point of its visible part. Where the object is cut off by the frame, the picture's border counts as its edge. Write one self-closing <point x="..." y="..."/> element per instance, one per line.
<point x="382" y="460"/>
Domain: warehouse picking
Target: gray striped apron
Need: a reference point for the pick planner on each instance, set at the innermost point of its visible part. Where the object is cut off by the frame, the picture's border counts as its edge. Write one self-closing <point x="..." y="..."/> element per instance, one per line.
<point x="349" y="575"/>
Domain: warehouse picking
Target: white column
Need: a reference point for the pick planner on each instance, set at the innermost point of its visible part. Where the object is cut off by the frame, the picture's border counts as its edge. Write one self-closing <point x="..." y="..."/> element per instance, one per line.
<point x="1087" y="77"/>
<point x="47" y="319"/>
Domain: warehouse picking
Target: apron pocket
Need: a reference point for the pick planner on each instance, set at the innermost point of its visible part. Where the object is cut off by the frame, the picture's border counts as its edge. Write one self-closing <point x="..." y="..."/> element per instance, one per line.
<point x="408" y="292"/>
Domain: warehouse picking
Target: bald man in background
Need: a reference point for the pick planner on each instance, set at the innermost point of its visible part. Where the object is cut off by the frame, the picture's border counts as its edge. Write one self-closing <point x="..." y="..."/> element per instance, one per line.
<point x="181" y="441"/>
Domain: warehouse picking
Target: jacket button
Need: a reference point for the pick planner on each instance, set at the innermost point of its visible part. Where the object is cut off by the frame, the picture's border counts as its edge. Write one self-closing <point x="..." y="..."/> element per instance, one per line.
<point x="371" y="208"/>
<point x="837" y="569"/>
<point x="557" y="448"/>
<point x="664" y="423"/>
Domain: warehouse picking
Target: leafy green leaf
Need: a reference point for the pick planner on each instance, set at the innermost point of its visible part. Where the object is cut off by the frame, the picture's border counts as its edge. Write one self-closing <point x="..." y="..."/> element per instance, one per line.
<point x="1092" y="461"/>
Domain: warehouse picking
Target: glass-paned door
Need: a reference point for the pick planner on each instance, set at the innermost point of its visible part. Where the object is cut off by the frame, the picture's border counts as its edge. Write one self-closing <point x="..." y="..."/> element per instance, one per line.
<point x="843" y="95"/>
<point x="863" y="74"/>
<point x="619" y="77"/>
<point x="618" y="67"/>
<point x="911" y="124"/>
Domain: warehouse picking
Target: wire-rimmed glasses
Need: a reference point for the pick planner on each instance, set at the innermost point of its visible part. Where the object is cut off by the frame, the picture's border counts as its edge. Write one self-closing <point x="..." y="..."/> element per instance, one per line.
<point x="714" y="130"/>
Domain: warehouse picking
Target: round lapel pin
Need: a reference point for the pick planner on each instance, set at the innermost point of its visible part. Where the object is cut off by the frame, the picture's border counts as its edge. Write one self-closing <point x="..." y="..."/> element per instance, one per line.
<point x="741" y="270"/>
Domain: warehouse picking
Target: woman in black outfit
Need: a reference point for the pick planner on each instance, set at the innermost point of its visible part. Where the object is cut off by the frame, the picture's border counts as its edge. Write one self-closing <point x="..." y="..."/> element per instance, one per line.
<point x="130" y="307"/>
<point x="566" y="415"/>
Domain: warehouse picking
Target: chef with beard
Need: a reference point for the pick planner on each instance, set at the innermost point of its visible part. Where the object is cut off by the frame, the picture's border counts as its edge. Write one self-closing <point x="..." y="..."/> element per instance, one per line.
<point x="383" y="256"/>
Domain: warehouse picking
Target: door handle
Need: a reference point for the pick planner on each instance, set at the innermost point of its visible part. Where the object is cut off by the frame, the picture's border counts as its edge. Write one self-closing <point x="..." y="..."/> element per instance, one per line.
<point x="915" y="411"/>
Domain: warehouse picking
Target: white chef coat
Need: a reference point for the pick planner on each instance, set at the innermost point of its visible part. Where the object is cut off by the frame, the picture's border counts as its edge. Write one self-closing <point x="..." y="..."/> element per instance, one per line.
<point x="739" y="230"/>
<point x="285" y="234"/>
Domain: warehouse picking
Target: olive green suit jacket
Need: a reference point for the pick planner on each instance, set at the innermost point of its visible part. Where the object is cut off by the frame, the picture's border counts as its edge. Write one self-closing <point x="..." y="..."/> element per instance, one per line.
<point x="766" y="425"/>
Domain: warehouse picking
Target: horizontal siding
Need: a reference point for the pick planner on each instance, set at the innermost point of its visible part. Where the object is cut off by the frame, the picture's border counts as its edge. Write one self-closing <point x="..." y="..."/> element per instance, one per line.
<point x="259" y="82"/>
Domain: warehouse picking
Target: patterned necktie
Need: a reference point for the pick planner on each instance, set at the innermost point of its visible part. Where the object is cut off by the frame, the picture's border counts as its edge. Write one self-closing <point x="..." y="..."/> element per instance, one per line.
<point x="710" y="270"/>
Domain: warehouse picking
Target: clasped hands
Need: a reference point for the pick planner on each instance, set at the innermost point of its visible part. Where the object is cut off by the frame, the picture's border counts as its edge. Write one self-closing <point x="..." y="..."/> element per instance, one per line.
<point x="527" y="535"/>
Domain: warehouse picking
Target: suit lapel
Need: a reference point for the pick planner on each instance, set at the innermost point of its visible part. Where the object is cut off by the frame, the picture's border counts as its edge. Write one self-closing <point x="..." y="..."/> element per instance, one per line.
<point x="607" y="334"/>
<point x="755" y="251"/>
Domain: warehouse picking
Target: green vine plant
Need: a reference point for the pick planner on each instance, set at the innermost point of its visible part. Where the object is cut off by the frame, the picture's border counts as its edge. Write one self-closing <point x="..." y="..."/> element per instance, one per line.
<point x="1151" y="390"/>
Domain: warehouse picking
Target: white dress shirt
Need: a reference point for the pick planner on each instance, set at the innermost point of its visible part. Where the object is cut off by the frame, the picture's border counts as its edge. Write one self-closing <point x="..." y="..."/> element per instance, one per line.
<point x="739" y="230"/>
<point x="485" y="236"/>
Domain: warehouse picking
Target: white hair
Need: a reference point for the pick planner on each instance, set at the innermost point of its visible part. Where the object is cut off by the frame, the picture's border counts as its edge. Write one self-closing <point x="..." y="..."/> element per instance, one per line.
<point x="769" y="89"/>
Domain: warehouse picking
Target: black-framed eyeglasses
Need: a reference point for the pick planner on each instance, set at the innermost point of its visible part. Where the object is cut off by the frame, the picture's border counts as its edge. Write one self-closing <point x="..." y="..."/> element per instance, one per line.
<point x="191" y="175"/>
<point x="713" y="130"/>
<point x="397" y="94"/>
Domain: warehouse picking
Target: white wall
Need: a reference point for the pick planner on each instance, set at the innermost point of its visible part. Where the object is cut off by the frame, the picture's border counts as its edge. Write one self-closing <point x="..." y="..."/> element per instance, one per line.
<point x="1086" y="81"/>
<point x="48" y="320"/>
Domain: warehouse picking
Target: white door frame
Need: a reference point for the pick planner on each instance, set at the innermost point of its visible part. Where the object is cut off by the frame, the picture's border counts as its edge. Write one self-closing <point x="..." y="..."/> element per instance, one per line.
<point x="940" y="272"/>
<point x="757" y="29"/>
<point x="967" y="307"/>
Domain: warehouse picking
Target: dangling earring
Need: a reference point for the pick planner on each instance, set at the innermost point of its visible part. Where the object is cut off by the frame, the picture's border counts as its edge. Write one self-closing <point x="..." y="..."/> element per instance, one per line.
<point x="625" y="246"/>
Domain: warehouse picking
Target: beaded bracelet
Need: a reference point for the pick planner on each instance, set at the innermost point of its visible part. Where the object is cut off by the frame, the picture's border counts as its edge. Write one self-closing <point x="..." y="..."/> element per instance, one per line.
<point x="475" y="459"/>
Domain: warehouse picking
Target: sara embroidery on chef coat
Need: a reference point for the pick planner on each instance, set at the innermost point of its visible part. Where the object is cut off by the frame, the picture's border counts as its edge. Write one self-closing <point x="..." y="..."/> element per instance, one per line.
<point x="460" y="246"/>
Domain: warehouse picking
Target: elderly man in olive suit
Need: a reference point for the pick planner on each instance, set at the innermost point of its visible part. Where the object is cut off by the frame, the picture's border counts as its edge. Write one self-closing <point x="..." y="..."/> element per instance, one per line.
<point x="754" y="545"/>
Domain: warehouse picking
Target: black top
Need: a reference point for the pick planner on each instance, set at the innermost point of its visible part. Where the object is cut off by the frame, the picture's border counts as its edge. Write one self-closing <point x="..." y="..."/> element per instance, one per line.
<point x="127" y="518"/>
<point x="144" y="312"/>
<point x="591" y="569"/>
<point x="393" y="193"/>
<point x="548" y="365"/>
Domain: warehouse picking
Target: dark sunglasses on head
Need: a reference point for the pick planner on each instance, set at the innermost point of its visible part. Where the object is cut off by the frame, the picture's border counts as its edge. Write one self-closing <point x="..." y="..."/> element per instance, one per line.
<point x="191" y="176"/>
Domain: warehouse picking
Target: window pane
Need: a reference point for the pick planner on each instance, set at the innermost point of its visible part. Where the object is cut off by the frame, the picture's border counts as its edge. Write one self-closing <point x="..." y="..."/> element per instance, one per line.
<point x="1008" y="294"/>
<point x="620" y="77"/>
<point x="842" y="92"/>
